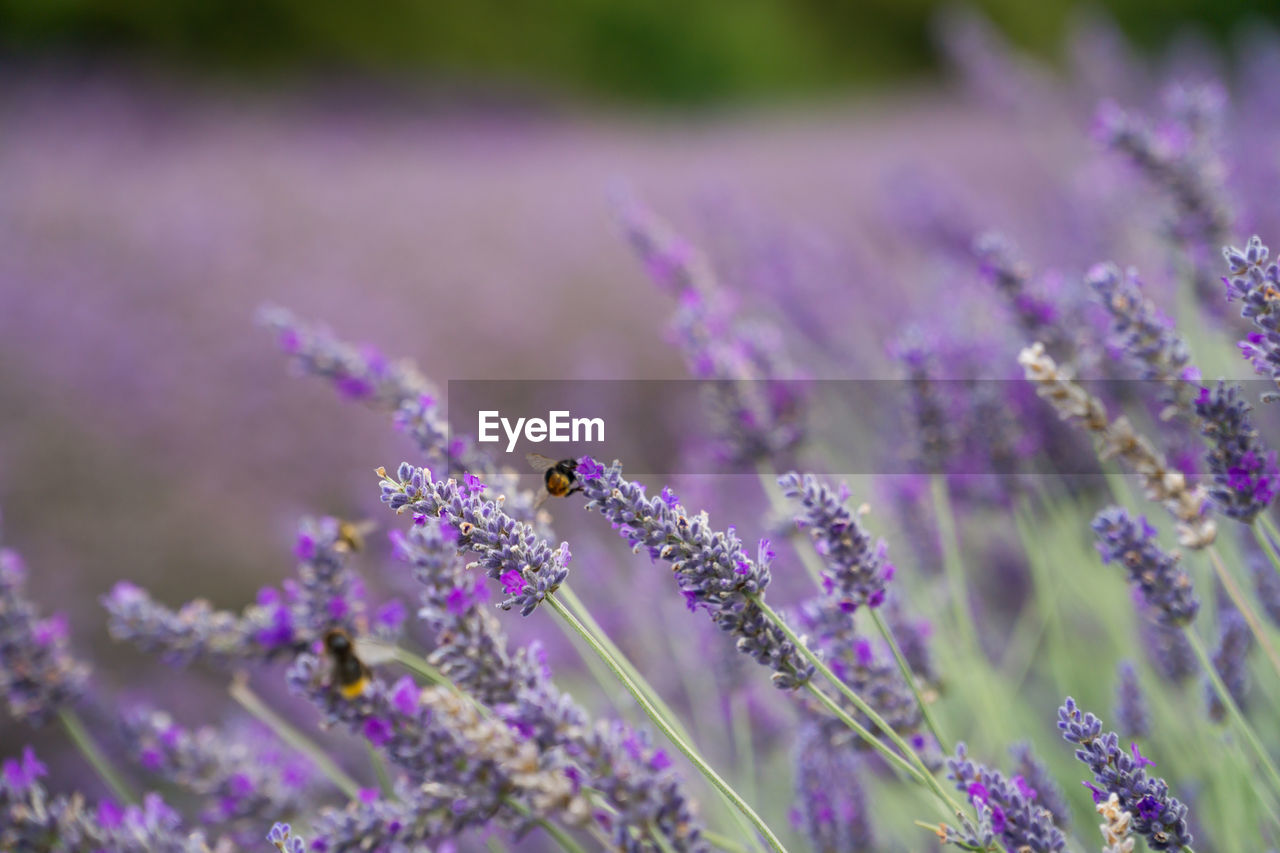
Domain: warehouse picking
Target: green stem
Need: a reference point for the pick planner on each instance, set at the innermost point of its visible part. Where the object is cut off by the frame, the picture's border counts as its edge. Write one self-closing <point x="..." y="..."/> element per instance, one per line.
<point x="664" y="725"/>
<point x="250" y="701"/>
<point x="728" y="845"/>
<point x="1267" y="540"/>
<point x="862" y="705"/>
<point x="1224" y="695"/>
<point x="557" y="832"/>
<point x="1238" y="598"/>
<point x="841" y="714"/>
<point x="420" y="665"/>
<point x="93" y="754"/>
<point x="743" y="748"/>
<point x="380" y="771"/>
<point x="909" y="677"/>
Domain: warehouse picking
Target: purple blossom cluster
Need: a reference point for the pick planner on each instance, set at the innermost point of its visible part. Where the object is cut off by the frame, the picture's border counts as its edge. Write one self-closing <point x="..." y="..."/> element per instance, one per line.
<point x="1006" y="804"/>
<point x="757" y="408"/>
<point x="528" y="567"/>
<point x="1147" y="338"/>
<point x="831" y="807"/>
<point x="712" y="570"/>
<point x="38" y="673"/>
<point x="1254" y="279"/>
<point x="325" y="595"/>
<point x="1245" y="472"/>
<point x="31" y="818"/>
<point x="1231" y="661"/>
<point x="1166" y="589"/>
<point x="1157" y="815"/>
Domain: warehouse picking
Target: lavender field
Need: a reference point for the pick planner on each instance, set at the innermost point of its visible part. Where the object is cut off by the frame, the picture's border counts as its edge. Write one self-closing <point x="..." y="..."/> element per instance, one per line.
<point x="974" y="548"/>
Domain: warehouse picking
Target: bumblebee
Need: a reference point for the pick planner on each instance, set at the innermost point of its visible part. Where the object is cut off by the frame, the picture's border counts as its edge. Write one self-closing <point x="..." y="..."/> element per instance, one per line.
<point x="350" y="675"/>
<point x="351" y="534"/>
<point x="559" y="477"/>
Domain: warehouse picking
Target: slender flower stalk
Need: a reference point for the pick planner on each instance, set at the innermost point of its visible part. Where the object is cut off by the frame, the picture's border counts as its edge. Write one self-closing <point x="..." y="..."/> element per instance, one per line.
<point x="1187" y="503"/>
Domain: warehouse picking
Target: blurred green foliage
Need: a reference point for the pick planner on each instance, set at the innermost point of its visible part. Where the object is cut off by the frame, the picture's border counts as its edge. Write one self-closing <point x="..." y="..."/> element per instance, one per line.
<point x="681" y="51"/>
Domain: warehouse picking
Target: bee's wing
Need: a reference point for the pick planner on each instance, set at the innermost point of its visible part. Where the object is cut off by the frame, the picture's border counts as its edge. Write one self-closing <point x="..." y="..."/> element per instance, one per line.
<point x="540" y="499"/>
<point x="364" y="528"/>
<point x="374" y="652"/>
<point x="541" y="463"/>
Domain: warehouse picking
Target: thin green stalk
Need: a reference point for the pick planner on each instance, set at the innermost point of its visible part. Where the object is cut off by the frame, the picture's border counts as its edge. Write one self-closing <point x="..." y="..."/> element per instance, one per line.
<point x="557" y="832"/>
<point x="841" y="714"/>
<point x="251" y="702"/>
<point x="420" y="665"/>
<point x="743" y="748"/>
<point x="728" y="845"/>
<point x="665" y="725"/>
<point x="909" y="677"/>
<point x="379" y="763"/>
<point x="812" y="563"/>
<point x="1224" y="695"/>
<point x="862" y="705"/>
<point x="570" y="599"/>
<point x="1242" y="604"/>
<point x="1268" y="539"/>
<point x="93" y="754"/>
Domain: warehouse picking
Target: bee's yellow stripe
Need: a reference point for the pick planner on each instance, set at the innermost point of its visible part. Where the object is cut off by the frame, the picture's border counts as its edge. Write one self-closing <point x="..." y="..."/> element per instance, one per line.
<point x="355" y="688"/>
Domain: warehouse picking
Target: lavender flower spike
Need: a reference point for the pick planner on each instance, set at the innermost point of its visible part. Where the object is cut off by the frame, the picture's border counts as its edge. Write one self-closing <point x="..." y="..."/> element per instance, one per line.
<point x="1119" y="772"/>
<point x="1165" y="587"/>
<point x="831" y="806"/>
<point x="1186" y="503"/>
<point x="1254" y="278"/>
<point x="1132" y="716"/>
<point x="1009" y="804"/>
<point x="1147" y="338"/>
<point x="1245" y="473"/>
<point x="511" y="552"/>
<point x="38" y="674"/>
<point x="1045" y="790"/>
<point x="33" y="819"/>
<point x="1231" y="660"/>
<point x="857" y="570"/>
<point x="710" y="566"/>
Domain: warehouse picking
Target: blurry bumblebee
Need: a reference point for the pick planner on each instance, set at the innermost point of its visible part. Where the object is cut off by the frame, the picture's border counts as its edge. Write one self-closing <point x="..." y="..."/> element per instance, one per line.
<point x="558" y="476"/>
<point x="350" y="675"/>
<point x="351" y="534"/>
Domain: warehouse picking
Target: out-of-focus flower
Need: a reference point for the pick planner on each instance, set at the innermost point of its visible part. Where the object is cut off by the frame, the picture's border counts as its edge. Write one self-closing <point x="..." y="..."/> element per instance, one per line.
<point x="1165" y="587"/>
<point x="1186" y="503"/>
<point x="242" y="779"/>
<point x="1157" y="815"/>
<point x="33" y="819"/>
<point x="1010" y="804"/>
<point x="1037" y="317"/>
<point x="1246" y="475"/>
<point x="325" y="595"/>
<point x="1182" y="160"/>
<point x="1037" y="779"/>
<point x="758" y="409"/>
<point x="38" y="673"/>
<point x="1231" y="661"/>
<point x="1132" y="718"/>
<point x="1147" y="338"/>
<point x="710" y="566"/>
<point x="830" y="806"/>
